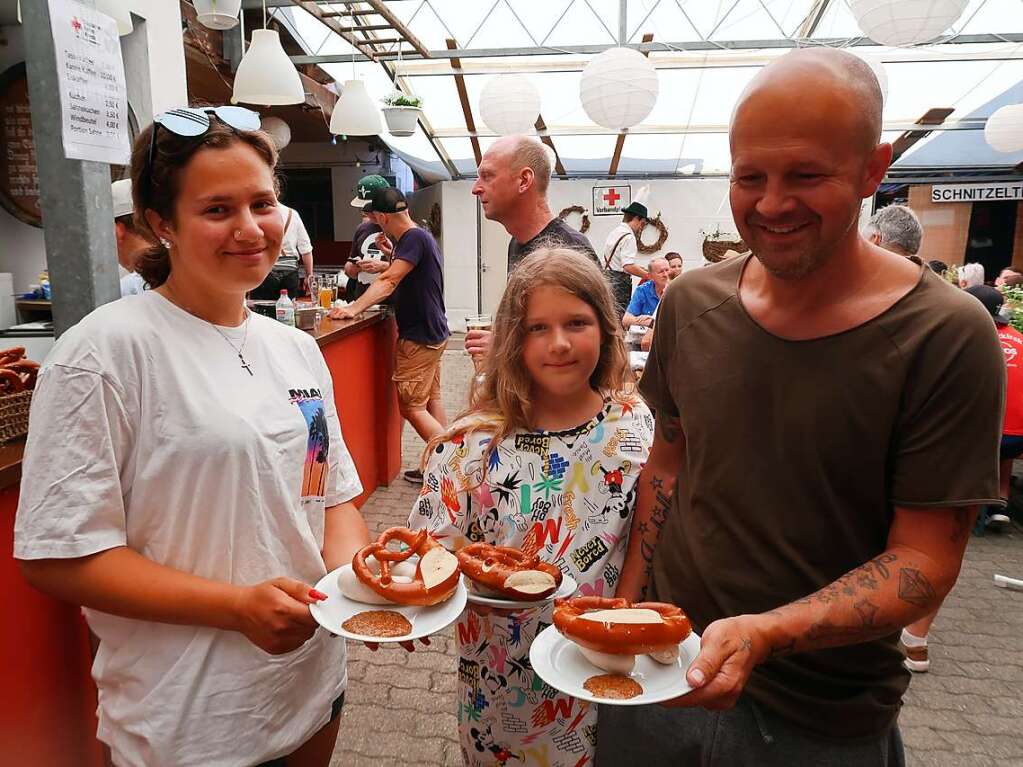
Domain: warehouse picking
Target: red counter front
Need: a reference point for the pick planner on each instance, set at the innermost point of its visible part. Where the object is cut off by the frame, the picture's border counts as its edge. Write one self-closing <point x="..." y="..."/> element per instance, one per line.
<point x="49" y="700"/>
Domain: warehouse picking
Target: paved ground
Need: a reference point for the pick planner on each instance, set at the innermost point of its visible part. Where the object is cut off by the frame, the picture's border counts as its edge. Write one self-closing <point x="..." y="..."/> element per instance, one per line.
<point x="964" y="712"/>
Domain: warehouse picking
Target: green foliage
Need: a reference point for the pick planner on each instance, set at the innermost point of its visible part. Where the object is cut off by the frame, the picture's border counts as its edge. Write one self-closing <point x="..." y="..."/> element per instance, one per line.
<point x="399" y="99"/>
<point x="1014" y="303"/>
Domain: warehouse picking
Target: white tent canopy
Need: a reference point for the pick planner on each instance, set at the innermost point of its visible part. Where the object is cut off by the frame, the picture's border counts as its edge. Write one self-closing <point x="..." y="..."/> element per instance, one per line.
<point x="705" y="52"/>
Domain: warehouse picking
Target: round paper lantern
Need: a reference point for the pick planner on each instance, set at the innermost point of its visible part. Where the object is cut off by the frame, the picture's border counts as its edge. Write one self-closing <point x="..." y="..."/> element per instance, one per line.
<point x="1004" y="129"/>
<point x="279" y="130"/>
<point x="905" y="22"/>
<point x="510" y="104"/>
<point x="618" y="88"/>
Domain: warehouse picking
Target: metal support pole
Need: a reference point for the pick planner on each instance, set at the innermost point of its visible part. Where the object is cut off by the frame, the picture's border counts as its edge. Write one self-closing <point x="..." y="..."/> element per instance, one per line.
<point x="78" y="229"/>
<point x="623" y="27"/>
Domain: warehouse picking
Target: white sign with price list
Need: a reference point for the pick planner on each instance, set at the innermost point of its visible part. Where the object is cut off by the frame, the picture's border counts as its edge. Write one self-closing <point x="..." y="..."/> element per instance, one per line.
<point x="90" y="75"/>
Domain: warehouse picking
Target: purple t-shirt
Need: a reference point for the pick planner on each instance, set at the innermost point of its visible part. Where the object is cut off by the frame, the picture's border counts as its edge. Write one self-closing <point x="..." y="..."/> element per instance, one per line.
<point x="419" y="297"/>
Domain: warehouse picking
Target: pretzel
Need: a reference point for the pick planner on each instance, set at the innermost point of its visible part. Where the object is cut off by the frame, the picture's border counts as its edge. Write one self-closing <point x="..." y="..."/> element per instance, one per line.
<point x="13" y="354"/>
<point x="436" y="576"/>
<point x="619" y="637"/>
<point x="10" y="382"/>
<point x="26" y="369"/>
<point x="511" y="573"/>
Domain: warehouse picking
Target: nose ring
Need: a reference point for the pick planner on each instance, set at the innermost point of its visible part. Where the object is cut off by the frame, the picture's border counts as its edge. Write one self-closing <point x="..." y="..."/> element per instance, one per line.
<point x="237" y="234"/>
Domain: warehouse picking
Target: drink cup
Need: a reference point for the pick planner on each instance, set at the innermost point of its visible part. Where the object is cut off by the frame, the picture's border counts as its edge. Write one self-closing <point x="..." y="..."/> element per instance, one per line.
<point x="479" y="322"/>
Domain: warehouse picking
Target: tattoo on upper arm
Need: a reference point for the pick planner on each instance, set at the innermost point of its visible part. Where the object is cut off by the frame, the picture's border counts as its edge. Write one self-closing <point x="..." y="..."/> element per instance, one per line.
<point x="650" y="532"/>
<point x="915" y="589"/>
<point x="670" y="428"/>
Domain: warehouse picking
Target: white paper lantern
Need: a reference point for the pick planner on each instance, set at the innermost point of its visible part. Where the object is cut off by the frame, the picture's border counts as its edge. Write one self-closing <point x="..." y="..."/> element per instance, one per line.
<point x="279" y="130"/>
<point x="618" y="89"/>
<point x="117" y="10"/>
<point x="510" y="104"/>
<point x="355" y="113"/>
<point x="906" y="22"/>
<point x="1004" y="129"/>
<point x="266" y="74"/>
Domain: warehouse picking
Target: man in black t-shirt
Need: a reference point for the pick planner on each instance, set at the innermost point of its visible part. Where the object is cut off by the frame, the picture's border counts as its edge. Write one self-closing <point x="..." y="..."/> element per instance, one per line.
<point x="512" y="188"/>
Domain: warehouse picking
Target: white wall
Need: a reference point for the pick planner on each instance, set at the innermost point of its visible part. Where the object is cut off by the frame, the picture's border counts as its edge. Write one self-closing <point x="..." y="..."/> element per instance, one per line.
<point x="690" y="208"/>
<point x="22" y="249"/>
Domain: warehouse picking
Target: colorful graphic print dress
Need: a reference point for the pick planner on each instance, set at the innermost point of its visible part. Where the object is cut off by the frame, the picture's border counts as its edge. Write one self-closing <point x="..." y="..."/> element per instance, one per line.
<point x="567" y="496"/>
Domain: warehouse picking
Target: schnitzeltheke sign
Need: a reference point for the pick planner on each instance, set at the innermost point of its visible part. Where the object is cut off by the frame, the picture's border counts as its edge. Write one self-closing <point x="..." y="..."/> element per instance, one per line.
<point x="976" y="192"/>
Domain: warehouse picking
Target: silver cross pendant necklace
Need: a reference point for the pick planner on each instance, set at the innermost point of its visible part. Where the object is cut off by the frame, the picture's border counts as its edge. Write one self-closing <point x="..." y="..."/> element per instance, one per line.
<point x="237" y="349"/>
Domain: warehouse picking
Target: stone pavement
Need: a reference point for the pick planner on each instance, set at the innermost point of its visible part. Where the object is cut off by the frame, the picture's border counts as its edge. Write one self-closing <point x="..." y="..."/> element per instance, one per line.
<point x="964" y="712"/>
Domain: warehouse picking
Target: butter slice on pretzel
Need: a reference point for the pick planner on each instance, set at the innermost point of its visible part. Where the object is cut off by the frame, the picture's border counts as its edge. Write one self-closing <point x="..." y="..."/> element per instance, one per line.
<point x="436" y="574"/>
<point x="509" y="573"/>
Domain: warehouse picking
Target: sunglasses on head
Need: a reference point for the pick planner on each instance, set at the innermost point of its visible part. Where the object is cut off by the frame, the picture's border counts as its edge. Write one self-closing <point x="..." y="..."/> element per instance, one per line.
<point x="195" y="121"/>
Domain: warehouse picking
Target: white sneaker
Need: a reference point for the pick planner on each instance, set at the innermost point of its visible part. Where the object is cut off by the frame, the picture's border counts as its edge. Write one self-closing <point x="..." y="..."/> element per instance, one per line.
<point x="997" y="521"/>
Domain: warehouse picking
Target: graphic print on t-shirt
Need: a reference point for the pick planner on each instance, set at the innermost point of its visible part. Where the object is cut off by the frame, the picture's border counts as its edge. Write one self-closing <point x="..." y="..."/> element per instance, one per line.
<point x="314" y="475"/>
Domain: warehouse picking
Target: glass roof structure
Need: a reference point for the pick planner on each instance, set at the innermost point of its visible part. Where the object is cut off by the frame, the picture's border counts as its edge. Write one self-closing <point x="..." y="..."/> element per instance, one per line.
<point x="705" y="52"/>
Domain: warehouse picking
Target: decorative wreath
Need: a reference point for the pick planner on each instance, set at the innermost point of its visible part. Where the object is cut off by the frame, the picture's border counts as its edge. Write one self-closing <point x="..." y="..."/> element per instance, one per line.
<point x="564" y="214"/>
<point x="715" y="250"/>
<point x="662" y="237"/>
<point x="433" y="223"/>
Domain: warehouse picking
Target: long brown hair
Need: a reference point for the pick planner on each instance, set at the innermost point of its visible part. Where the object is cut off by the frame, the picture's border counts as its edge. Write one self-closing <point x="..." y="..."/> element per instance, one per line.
<point x="502" y="403"/>
<point x="155" y="181"/>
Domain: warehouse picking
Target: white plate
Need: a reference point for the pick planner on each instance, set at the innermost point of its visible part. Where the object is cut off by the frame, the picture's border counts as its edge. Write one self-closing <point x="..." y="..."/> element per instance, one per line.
<point x="337" y="608"/>
<point x="566" y="589"/>
<point x="559" y="663"/>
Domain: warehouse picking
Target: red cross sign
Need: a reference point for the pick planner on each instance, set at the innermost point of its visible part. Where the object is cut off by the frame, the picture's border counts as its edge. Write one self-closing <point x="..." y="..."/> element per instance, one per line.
<point x="611" y="200"/>
<point x="612" y="196"/>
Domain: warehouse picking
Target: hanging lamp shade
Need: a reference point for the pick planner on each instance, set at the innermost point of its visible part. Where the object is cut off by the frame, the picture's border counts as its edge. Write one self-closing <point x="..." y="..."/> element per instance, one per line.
<point x="266" y="74"/>
<point x="618" y="88"/>
<point x="217" y="14"/>
<point x="355" y="113"/>
<point x="119" y="12"/>
<point x="1004" y="129"/>
<point x="277" y="129"/>
<point x="906" y="22"/>
<point x="510" y="104"/>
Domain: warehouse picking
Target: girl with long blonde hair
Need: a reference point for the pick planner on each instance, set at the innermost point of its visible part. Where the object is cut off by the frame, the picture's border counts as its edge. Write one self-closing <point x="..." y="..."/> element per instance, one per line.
<point x="545" y="459"/>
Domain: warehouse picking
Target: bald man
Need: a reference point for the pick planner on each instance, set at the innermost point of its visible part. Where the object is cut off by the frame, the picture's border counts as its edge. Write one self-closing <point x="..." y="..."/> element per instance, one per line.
<point x="512" y="189"/>
<point x="828" y="419"/>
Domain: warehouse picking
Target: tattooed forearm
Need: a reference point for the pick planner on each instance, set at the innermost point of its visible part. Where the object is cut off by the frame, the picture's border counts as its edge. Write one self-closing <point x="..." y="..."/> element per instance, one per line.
<point x="915" y="588"/>
<point x="650" y="532"/>
<point x="868" y="602"/>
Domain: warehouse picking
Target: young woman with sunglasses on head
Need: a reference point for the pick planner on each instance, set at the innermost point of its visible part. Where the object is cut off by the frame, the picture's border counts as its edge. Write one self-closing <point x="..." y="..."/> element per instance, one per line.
<point x="185" y="478"/>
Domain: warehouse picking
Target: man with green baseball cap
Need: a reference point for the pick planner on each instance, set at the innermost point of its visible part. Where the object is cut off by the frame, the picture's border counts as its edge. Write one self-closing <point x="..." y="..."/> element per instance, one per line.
<point x="416" y="279"/>
<point x="365" y="188"/>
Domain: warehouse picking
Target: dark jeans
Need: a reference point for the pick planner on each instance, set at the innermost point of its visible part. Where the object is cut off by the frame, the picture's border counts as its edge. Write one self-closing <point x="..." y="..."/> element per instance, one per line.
<point x="654" y="736"/>
<point x="277" y="281"/>
<point x="335" y="710"/>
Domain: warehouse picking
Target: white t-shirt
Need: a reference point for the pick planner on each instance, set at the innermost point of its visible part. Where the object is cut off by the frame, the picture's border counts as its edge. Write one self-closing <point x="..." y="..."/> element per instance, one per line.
<point x="147" y="433"/>
<point x="132" y="284"/>
<point x="617" y="258"/>
<point x="296" y="240"/>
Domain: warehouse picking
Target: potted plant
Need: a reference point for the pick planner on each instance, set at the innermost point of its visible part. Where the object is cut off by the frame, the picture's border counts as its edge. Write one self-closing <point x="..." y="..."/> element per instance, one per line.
<point x="217" y="14"/>
<point x="401" y="111"/>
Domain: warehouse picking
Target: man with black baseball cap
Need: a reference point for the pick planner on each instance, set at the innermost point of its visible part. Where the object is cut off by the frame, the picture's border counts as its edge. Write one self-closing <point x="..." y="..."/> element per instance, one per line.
<point x="416" y="278"/>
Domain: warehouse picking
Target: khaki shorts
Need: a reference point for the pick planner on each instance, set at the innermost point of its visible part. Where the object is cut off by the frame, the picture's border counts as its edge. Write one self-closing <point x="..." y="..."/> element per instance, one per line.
<point x="417" y="373"/>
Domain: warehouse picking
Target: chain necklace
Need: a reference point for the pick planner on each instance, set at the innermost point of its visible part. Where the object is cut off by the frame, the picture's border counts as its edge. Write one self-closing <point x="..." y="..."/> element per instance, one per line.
<point x="236" y="349"/>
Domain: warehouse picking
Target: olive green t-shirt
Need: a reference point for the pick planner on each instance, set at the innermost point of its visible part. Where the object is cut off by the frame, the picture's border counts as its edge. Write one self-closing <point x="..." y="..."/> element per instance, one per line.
<point x="797" y="453"/>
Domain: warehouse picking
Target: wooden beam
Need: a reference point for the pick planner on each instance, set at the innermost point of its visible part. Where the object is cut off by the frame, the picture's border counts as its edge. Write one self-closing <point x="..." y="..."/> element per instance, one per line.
<point x="327" y="20"/>
<point x="541" y="128"/>
<point x="366" y="28"/>
<point x="617" y="156"/>
<point x="934" y="116"/>
<point x="330" y="14"/>
<point x="463" y="97"/>
<point x="399" y="26"/>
